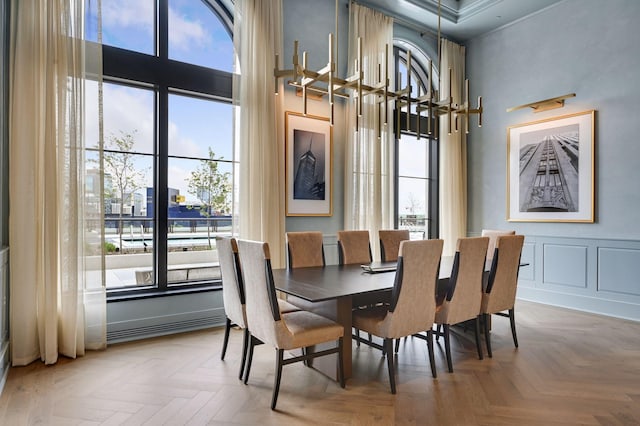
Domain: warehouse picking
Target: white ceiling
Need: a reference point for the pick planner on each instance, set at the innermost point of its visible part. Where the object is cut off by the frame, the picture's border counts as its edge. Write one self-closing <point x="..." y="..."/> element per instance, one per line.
<point x="460" y="19"/>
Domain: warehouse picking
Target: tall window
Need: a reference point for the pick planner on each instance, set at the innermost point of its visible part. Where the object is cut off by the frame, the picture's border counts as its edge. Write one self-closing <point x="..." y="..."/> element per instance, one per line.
<point x="166" y="119"/>
<point x="416" y="202"/>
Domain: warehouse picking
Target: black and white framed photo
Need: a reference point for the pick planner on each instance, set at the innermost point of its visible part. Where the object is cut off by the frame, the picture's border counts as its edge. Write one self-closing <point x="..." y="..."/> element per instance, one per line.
<point x="309" y="159"/>
<point x="550" y="169"/>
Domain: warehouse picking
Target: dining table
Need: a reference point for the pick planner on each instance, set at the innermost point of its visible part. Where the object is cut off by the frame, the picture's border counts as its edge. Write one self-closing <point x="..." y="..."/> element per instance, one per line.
<point x="330" y="290"/>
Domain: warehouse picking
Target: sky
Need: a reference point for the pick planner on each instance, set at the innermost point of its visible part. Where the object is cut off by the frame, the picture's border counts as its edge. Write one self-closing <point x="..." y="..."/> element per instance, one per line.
<point x="196" y="36"/>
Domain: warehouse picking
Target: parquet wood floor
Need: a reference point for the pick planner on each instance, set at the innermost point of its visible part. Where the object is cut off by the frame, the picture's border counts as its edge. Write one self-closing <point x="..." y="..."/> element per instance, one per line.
<point x="571" y="368"/>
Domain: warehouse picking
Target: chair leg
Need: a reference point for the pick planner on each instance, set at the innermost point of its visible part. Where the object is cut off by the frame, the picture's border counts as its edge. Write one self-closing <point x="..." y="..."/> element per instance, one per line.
<point x="447" y="347"/>
<point x="477" y="331"/>
<point x="340" y="363"/>
<point x="432" y="358"/>
<point x="276" y="384"/>
<point x="512" y="318"/>
<point x="487" y="336"/>
<point x="388" y="344"/>
<point x="438" y="331"/>
<point x="252" y="343"/>
<point x="397" y="345"/>
<point x="358" y="340"/>
<point x="245" y="343"/>
<point x="226" y="339"/>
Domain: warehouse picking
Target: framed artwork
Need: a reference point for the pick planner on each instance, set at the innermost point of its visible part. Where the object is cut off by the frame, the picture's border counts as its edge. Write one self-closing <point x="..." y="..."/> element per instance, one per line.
<point x="550" y="169"/>
<point x="308" y="165"/>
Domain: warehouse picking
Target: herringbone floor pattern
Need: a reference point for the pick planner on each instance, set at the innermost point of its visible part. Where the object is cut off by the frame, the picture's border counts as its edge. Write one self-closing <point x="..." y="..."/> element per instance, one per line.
<point x="571" y="368"/>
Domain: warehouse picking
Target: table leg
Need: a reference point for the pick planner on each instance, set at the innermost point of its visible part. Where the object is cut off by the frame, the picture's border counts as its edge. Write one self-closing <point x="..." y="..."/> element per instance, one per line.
<point x="338" y="310"/>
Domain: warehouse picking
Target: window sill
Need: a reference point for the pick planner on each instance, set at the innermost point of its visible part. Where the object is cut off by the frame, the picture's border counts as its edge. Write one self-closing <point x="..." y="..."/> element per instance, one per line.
<point x="127" y="295"/>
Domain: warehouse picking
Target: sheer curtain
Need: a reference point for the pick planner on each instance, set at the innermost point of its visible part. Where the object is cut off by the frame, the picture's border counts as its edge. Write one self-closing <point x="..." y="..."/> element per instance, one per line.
<point x="47" y="215"/>
<point x="257" y="38"/>
<point x="453" y="153"/>
<point x="369" y="158"/>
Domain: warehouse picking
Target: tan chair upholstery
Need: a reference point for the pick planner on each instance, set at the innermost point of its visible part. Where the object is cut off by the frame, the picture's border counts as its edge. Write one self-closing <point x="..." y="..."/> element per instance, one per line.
<point x="464" y="295"/>
<point x="413" y="302"/>
<point x="493" y="235"/>
<point x="390" y="240"/>
<point x="304" y="249"/>
<point x="233" y="294"/>
<point x="284" y="331"/>
<point x="500" y="294"/>
<point x="354" y="247"/>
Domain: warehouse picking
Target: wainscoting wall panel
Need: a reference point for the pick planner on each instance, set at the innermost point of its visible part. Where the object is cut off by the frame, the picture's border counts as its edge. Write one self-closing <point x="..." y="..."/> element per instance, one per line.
<point x="619" y="270"/>
<point x="527" y="273"/>
<point x="588" y="274"/>
<point x="565" y="265"/>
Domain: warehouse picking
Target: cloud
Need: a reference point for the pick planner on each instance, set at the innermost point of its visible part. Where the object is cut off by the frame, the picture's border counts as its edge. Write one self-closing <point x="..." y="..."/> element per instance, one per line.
<point x="183" y="146"/>
<point x="122" y="14"/>
<point x="185" y="33"/>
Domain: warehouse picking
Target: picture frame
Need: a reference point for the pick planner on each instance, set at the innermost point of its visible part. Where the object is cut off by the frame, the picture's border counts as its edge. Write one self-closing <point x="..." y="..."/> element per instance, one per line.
<point x="550" y="169"/>
<point x="308" y="165"/>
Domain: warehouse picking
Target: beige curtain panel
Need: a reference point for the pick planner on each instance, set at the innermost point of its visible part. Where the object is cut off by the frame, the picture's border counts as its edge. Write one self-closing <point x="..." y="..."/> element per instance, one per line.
<point x="260" y="122"/>
<point x="453" y="153"/>
<point x="368" y="159"/>
<point x="46" y="218"/>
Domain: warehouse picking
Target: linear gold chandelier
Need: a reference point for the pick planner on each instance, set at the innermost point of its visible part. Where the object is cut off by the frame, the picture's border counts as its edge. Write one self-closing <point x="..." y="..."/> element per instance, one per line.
<point x="325" y="82"/>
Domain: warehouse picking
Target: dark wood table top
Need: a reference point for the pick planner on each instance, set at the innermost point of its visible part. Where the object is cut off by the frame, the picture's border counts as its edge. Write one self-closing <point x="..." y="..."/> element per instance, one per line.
<point x="318" y="284"/>
<point x="322" y="283"/>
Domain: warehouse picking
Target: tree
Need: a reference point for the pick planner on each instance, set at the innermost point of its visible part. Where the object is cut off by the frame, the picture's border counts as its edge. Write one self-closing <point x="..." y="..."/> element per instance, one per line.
<point x="212" y="187"/>
<point x="413" y="203"/>
<point x="119" y="164"/>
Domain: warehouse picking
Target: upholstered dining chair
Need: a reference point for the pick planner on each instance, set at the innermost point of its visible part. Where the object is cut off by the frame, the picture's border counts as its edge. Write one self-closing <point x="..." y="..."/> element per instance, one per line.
<point x="500" y="294"/>
<point x="493" y="235"/>
<point x="413" y="301"/>
<point x="354" y="247"/>
<point x="464" y="294"/>
<point x="304" y="249"/>
<point x="390" y="240"/>
<point x="283" y="331"/>
<point x="233" y="295"/>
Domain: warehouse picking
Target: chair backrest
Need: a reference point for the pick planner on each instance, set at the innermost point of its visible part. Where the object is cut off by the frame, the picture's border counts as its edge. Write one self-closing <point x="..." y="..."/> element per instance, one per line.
<point x="304" y="249"/>
<point x="263" y="313"/>
<point x="500" y="293"/>
<point x="354" y="247"/>
<point x="390" y="240"/>
<point x="413" y="298"/>
<point x="232" y="285"/>
<point x="464" y="296"/>
<point x="493" y="235"/>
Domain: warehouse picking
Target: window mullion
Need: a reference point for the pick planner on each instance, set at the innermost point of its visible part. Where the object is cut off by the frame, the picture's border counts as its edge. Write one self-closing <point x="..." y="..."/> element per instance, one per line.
<point x="161" y="178"/>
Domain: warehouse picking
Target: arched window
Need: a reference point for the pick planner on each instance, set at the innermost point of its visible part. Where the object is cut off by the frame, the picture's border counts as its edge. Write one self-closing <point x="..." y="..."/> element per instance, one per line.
<point x="416" y="195"/>
<point x="165" y="114"/>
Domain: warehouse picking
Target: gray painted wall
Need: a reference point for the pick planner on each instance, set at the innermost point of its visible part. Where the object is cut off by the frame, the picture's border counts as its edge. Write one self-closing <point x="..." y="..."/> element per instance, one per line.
<point x="310" y="22"/>
<point x="591" y="49"/>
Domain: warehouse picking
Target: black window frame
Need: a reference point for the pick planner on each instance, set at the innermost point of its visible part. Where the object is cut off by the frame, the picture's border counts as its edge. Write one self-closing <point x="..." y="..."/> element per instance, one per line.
<point x="165" y="76"/>
<point x="410" y="127"/>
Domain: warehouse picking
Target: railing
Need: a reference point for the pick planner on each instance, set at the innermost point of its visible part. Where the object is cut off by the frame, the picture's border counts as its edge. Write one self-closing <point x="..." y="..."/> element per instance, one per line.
<point x="136" y="233"/>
